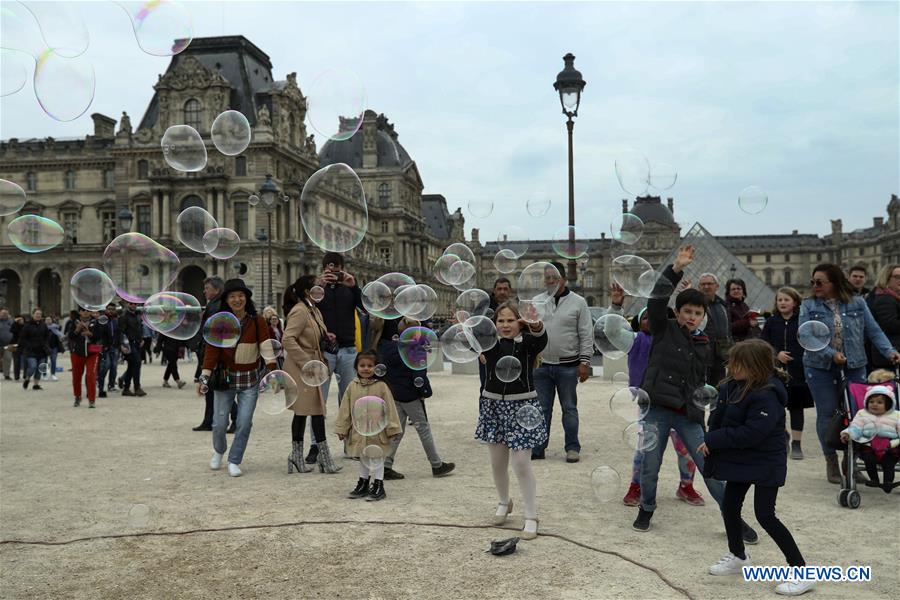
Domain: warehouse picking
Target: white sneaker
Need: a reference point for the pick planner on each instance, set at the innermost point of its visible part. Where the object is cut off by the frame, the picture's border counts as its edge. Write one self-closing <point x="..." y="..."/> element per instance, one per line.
<point x="215" y="462"/>
<point x="234" y="470"/>
<point x="729" y="565"/>
<point x="794" y="587"/>
<point x="54" y="378"/>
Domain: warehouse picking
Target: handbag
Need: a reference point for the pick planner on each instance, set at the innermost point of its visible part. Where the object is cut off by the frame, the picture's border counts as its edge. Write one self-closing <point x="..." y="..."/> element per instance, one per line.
<point x="220" y="380"/>
<point x="94" y="348"/>
<point x="836" y="425"/>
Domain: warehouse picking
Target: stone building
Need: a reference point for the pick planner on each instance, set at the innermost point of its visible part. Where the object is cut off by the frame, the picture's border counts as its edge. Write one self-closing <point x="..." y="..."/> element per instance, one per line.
<point x="84" y="184"/>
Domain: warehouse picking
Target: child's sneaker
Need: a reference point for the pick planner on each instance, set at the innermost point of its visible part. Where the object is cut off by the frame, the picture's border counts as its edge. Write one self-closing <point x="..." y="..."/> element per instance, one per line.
<point x="687" y="493"/>
<point x="443" y="470"/>
<point x="390" y="474"/>
<point x="794" y="587"/>
<point x="642" y="523"/>
<point x="729" y="565"/>
<point x="633" y="497"/>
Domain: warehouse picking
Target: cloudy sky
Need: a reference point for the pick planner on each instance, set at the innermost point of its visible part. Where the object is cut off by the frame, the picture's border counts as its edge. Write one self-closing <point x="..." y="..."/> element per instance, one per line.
<point x="799" y="98"/>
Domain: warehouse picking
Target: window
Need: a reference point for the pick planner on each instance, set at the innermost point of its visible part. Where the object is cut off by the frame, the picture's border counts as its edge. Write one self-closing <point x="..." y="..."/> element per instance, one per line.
<point x="143" y="169"/>
<point x="862" y="251"/>
<point x="31" y="181"/>
<point x="70" y="224"/>
<point x="589" y="280"/>
<point x="768" y="276"/>
<point x="768" y="258"/>
<point x="240" y="166"/>
<point x="384" y="227"/>
<point x="749" y="259"/>
<point x="192" y="113"/>
<point x="787" y="258"/>
<point x="143" y="218"/>
<point x="70" y="180"/>
<point x="108" y="218"/>
<point x="819" y="256"/>
<point x="385" y="253"/>
<point x="384" y="195"/>
<point x="241" y="219"/>
<point x="109" y="178"/>
<point x="787" y="277"/>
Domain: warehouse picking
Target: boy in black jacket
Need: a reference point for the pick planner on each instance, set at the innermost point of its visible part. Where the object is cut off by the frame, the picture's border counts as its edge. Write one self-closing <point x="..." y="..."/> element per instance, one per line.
<point x="680" y="358"/>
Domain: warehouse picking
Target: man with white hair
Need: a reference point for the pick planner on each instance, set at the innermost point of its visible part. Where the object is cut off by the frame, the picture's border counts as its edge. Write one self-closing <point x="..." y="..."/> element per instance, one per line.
<point x="718" y="327"/>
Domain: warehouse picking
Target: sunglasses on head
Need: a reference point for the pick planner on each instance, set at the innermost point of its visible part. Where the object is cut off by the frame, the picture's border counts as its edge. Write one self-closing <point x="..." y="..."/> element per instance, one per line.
<point x="818" y="282"/>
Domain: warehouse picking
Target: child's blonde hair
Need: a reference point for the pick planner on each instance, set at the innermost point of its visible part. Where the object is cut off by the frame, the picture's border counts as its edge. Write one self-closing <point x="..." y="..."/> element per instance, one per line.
<point x="880" y="376"/>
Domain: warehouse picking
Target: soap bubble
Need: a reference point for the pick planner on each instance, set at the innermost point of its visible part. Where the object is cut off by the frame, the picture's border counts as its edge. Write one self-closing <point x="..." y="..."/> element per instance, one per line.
<point x="471" y="303"/>
<point x="514" y="238"/>
<point x="442" y="266"/>
<point x="627" y="270"/>
<point x="705" y="397"/>
<point x="627" y="228"/>
<point x="605" y="483"/>
<point x="230" y="133"/>
<point x="533" y="311"/>
<point x="654" y="284"/>
<point x="481" y="209"/>
<point x="620" y="378"/>
<point x="277" y="392"/>
<point x="253" y="200"/>
<point x="92" y="289"/>
<point x="641" y="436"/>
<point x="224" y="242"/>
<point x="417" y="347"/>
<point x="457" y="346"/>
<point x="380" y="370"/>
<point x="662" y="176"/>
<point x="314" y="373"/>
<point x="339" y="233"/>
<point x="369" y="415"/>
<point x="613" y="336"/>
<point x="569" y="242"/>
<point x="459" y="272"/>
<point x="61" y="27"/>
<point x="161" y="27"/>
<point x="418" y="382"/>
<point x="64" y="87"/>
<point x="508" y="369"/>
<point x="33" y="234"/>
<point x="43" y="368"/>
<point x="753" y="200"/>
<point x="372" y="457"/>
<point x="505" y="261"/>
<point x="139" y="516"/>
<point x="15" y="69"/>
<point x="175" y="314"/>
<point x="12" y="198"/>
<point x="183" y="148"/>
<point x="461" y="251"/>
<point x="376" y="297"/>
<point x="192" y="227"/>
<point x="629" y="404"/>
<point x="317" y="293"/>
<point x="335" y="103"/>
<point x="222" y="330"/>
<point x="633" y="171"/>
<point x="418" y="302"/>
<point x="393" y="281"/>
<point x="814" y="335"/>
<point x="529" y="417"/>
<point x="539" y="204"/>
<point x="482" y="333"/>
<point x="270" y="350"/>
<point x="19" y="30"/>
<point x="538" y="281"/>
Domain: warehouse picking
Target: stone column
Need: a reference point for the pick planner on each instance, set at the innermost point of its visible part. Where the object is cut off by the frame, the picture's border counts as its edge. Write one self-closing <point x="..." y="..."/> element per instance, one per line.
<point x="211" y="204"/>
<point x="220" y="209"/>
<point x="166" y="214"/>
<point x="155" y="215"/>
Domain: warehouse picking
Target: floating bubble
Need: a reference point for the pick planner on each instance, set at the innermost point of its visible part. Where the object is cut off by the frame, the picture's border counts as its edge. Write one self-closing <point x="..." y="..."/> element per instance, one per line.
<point x="230" y="133"/>
<point x="270" y="350"/>
<point x="529" y="417"/>
<point x="416" y="346"/>
<point x="613" y="336"/>
<point x="508" y="369"/>
<point x="662" y="176"/>
<point x="372" y="457"/>
<point x="514" y="238"/>
<point x="161" y="27"/>
<point x="538" y="281"/>
<point x="459" y="272"/>
<point x="61" y="27"/>
<point x="192" y="227"/>
<point x="222" y="330"/>
<point x="418" y="302"/>
<point x="139" y="516"/>
<point x="19" y="30"/>
<point x="314" y="373"/>
<point x="317" y="293"/>
<point x="605" y="483"/>
<point x="253" y="200"/>
<point x="627" y="270"/>
<point x="339" y="233"/>
<point x="456" y="345"/>
<point x="629" y="404"/>
<point x="418" y="382"/>
<point x="183" y="148"/>
<point x="467" y="284"/>
<point x="505" y="261"/>
<point x="175" y="314"/>
<point x="394" y="282"/>
<point x="442" y="267"/>
<point x="461" y="251"/>
<point x="620" y="378"/>
<point x="654" y="284"/>
<point x="482" y="333"/>
<point x="753" y="200"/>
<point x="814" y="336"/>
<point x="43" y="368"/>
<point x="64" y="87"/>
<point x="481" y="209"/>
<point x="380" y="370"/>
<point x="633" y="171"/>
<point x="12" y="198"/>
<point x="471" y="303"/>
<point x="33" y="234"/>
<point x="225" y="242"/>
<point x="641" y="436"/>
<point x="369" y="415"/>
<point x="627" y="228"/>
<point x="705" y="397"/>
<point x="539" y="204"/>
<point x="376" y="297"/>
<point x="277" y="392"/>
<point x="569" y="242"/>
<point x="335" y="104"/>
<point x="534" y="311"/>
<point x="92" y="289"/>
<point x="15" y="70"/>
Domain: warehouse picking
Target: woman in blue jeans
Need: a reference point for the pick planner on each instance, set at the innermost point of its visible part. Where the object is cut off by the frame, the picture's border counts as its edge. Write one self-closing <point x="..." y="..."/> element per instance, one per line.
<point x="834" y="302"/>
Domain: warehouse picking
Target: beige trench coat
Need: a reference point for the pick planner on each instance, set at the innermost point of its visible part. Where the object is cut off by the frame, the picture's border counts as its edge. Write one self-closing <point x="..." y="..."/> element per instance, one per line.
<point x="344" y="423"/>
<point x="303" y="331"/>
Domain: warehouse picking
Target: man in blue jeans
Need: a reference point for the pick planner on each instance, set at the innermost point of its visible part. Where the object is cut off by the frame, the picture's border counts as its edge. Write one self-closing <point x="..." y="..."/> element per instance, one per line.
<point x="109" y="360"/>
<point x="565" y="361"/>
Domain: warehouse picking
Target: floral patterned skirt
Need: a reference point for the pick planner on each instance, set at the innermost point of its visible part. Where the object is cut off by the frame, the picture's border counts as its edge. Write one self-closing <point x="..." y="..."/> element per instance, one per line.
<point x="498" y="424"/>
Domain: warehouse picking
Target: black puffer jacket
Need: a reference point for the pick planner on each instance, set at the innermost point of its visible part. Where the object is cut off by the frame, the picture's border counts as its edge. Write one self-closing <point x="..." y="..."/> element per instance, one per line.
<point x="886" y="310"/>
<point x="782" y="335"/>
<point x="130" y="328"/>
<point x="400" y="377"/>
<point x="34" y="339"/>
<point x="678" y="362"/>
<point x="526" y="349"/>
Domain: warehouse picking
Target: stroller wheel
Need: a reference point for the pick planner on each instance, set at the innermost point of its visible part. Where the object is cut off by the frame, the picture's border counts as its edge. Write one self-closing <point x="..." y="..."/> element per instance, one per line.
<point x="853" y="499"/>
<point x="842" y="497"/>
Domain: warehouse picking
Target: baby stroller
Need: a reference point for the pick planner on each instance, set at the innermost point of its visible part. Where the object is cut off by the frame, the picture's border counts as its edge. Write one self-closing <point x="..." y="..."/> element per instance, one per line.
<point x="854" y="400"/>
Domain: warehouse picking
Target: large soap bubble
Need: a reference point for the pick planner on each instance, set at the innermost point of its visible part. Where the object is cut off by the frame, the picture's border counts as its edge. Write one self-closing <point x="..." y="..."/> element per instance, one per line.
<point x="372" y="457"/>
<point x="461" y="251"/>
<point x="505" y="261"/>
<point x="534" y="311"/>
<point x="538" y="204"/>
<point x="705" y="397"/>
<point x="64" y="87"/>
<point x="175" y="314"/>
<point x="183" y="148"/>
<point x="629" y="404"/>
<point x="222" y="330"/>
<point x="224" y="242"/>
<point x="481" y="209"/>
<point x="335" y="102"/>
<point x="457" y="346"/>
<point x="418" y="302"/>
<point x="442" y="267"/>
<point x="641" y="436"/>
<point x="529" y="417"/>
<point x="161" y="27"/>
<point x="12" y="198"/>
<point x="460" y="272"/>
<point x="508" y="369"/>
<point x="417" y="346"/>
<point x="662" y="176"/>
<point x="482" y="333"/>
<point x="336" y="186"/>
<point x="277" y="392"/>
<point x="192" y="227"/>
<point x="376" y="297"/>
<point x="814" y="336"/>
<point x="613" y="336"/>
<point x="394" y="282"/>
<point x="470" y="303"/>
<point x="633" y="171"/>
<point x="139" y="266"/>
<point x="753" y="200"/>
<point x="314" y="373"/>
<point x="92" y="289"/>
<point x="369" y="415"/>
<point x="15" y="70"/>
<point x="538" y="281"/>
<point x="627" y="228"/>
<point x="514" y="238"/>
<point x="569" y="242"/>
<point x="605" y="483"/>
<point x="33" y="234"/>
<point x="627" y="270"/>
<point x="230" y="133"/>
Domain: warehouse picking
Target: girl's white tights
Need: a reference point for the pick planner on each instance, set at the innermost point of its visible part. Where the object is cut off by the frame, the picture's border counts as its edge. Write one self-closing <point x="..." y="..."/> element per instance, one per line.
<point x="364" y="471"/>
<point x="521" y="464"/>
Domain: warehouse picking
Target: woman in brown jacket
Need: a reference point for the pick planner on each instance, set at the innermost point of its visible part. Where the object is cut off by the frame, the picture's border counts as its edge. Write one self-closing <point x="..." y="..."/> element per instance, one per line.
<point x="303" y="333"/>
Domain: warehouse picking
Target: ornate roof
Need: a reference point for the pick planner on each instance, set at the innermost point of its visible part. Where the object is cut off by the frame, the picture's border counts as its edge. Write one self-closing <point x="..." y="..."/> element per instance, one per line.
<point x="389" y="152"/>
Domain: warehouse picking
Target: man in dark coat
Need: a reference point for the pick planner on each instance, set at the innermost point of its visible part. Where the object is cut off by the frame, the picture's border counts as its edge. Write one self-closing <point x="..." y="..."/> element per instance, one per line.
<point x="718" y="326"/>
<point x="212" y="291"/>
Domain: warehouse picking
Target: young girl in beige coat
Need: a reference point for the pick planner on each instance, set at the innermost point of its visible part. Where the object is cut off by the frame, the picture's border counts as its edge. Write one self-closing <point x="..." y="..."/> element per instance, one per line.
<point x="365" y="384"/>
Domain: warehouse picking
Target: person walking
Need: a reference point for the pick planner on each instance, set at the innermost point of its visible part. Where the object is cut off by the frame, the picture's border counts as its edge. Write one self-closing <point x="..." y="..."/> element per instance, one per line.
<point x="885" y="303"/>
<point x="18" y="360"/>
<point x="212" y="292"/>
<point x="85" y="348"/>
<point x="170" y="348"/>
<point x="109" y="359"/>
<point x="56" y="346"/>
<point x="131" y="341"/>
<point x="6" y="337"/>
<point x="34" y="346"/>
<point x="835" y="303"/>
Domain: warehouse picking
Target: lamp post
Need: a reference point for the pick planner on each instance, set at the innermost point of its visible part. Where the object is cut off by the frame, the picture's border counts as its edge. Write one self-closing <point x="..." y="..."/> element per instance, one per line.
<point x="569" y="84"/>
<point x="268" y="194"/>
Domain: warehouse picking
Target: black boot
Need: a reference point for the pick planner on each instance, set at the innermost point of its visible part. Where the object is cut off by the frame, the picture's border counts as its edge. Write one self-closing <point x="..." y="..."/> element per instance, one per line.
<point x="312" y="455"/>
<point x="377" y="491"/>
<point x="361" y="489"/>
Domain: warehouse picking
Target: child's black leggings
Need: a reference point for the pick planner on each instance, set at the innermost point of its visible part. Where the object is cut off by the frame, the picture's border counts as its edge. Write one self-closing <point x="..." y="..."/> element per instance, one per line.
<point x="888" y="462"/>
<point x="796" y="418"/>
<point x="764" y="507"/>
<point x="298" y="425"/>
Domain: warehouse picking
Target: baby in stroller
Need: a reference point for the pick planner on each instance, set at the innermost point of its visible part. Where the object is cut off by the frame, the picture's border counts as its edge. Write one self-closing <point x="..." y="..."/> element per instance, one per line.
<point x="876" y="430"/>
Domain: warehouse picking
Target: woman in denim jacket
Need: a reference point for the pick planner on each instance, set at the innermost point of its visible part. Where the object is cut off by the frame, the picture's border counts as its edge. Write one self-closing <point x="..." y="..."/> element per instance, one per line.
<point x="835" y="304"/>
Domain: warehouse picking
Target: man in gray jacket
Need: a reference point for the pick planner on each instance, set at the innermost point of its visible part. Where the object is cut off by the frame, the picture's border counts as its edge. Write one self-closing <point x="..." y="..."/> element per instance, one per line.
<point x="566" y="360"/>
<point x="718" y="327"/>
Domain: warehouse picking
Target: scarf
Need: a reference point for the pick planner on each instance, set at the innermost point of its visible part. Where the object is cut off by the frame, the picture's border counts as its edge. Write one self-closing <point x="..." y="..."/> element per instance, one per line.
<point x="837" y="336"/>
<point x="887" y="292"/>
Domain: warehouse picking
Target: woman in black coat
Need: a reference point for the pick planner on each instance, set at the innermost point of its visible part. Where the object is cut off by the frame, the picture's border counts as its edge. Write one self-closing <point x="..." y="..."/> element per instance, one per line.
<point x="34" y="347"/>
<point x="885" y="304"/>
<point x="745" y="446"/>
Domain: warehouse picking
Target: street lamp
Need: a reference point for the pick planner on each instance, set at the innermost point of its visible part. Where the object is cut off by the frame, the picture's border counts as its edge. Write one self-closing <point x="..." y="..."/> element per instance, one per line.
<point x="569" y="84"/>
<point x="268" y="194"/>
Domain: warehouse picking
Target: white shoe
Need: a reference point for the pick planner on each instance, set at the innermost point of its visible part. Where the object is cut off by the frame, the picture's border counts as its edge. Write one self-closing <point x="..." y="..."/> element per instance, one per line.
<point x="215" y="462"/>
<point x="234" y="470"/>
<point x="729" y="565"/>
<point x="54" y="378"/>
<point x="794" y="587"/>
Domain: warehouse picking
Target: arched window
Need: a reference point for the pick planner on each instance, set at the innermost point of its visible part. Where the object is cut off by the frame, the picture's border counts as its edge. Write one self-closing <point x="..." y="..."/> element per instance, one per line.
<point x="192" y="113"/>
<point x="192" y="200"/>
<point x="143" y="169"/>
<point x="384" y="195"/>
